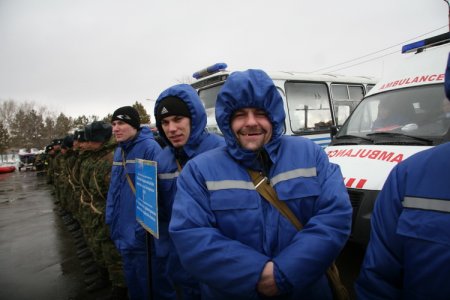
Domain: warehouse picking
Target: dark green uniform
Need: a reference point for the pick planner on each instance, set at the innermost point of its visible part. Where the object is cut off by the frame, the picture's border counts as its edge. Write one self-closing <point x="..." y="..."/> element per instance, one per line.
<point x="98" y="187"/>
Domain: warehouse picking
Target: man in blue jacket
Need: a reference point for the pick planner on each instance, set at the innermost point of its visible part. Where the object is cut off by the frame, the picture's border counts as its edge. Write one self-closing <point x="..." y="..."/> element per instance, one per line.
<point x="408" y="256"/>
<point x="127" y="234"/>
<point x="233" y="241"/>
<point x="181" y="121"/>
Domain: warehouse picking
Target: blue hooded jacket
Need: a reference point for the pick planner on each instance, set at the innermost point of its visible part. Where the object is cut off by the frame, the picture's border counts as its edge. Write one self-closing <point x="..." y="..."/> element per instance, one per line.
<point x="225" y="232"/>
<point x="408" y="256"/>
<point x="126" y="232"/>
<point x="199" y="141"/>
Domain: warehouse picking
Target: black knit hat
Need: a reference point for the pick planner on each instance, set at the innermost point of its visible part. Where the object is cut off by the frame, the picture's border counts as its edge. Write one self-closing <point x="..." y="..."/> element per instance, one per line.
<point x="98" y="131"/>
<point x="128" y="115"/>
<point x="172" y="106"/>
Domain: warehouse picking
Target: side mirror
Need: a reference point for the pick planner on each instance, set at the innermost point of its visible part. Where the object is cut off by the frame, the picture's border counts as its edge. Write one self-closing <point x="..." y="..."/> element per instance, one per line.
<point x="333" y="131"/>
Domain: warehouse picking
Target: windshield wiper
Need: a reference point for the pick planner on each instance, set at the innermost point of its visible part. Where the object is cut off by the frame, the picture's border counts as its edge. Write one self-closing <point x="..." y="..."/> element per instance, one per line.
<point x="350" y="137"/>
<point x="396" y="134"/>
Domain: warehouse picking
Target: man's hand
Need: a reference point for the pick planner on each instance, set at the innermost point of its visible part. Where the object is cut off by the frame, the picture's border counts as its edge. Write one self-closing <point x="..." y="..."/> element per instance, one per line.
<point x="266" y="285"/>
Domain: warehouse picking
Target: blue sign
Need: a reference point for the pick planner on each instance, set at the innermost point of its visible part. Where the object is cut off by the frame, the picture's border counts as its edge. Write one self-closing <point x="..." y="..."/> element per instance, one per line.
<point x="146" y="196"/>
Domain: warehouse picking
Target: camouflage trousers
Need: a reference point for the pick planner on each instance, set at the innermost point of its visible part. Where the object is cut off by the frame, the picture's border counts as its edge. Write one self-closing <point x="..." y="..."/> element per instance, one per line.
<point x="104" y="251"/>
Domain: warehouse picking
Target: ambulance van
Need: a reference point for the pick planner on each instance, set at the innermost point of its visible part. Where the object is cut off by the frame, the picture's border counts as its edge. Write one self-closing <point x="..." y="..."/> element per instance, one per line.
<point x="313" y="103"/>
<point x="406" y="112"/>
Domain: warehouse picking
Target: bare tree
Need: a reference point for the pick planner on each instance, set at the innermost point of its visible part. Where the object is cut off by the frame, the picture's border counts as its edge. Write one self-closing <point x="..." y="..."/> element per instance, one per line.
<point x="49" y="129"/>
<point x="4" y="140"/>
<point x="28" y="125"/>
<point x="63" y="125"/>
<point x="8" y="110"/>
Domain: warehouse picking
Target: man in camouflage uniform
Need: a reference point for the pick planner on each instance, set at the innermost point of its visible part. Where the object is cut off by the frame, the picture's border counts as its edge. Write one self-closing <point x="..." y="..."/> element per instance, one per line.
<point x="71" y="187"/>
<point x="95" y="177"/>
<point x="54" y="150"/>
<point x="40" y="163"/>
<point x="61" y="182"/>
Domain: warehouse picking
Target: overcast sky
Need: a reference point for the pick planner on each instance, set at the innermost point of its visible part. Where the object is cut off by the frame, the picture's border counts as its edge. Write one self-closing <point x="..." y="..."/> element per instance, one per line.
<point x="92" y="56"/>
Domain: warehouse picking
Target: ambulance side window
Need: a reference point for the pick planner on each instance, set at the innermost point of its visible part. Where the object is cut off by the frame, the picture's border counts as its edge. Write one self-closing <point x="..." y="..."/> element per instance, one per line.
<point x="345" y="99"/>
<point x="356" y="92"/>
<point x="308" y="106"/>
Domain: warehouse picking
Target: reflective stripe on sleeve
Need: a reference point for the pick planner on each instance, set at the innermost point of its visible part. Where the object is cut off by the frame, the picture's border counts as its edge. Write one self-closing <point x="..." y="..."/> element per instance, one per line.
<point x="229" y="184"/>
<point x="119" y="163"/>
<point x="309" y="172"/>
<point x="167" y="176"/>
<point x="427" y="204"/>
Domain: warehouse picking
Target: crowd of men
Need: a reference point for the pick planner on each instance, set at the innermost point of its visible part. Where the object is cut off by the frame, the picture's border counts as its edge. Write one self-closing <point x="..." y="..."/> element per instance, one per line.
<point x="252" y="214"/>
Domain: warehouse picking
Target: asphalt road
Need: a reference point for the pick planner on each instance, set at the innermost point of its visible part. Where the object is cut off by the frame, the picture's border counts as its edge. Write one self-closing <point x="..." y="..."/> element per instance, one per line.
<point x="37" y="253"/>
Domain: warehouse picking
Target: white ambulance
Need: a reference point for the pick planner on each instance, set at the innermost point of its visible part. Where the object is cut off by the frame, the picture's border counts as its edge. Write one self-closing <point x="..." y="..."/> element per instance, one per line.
<point x="406" y="112"/>
<point x="313" y="103"/>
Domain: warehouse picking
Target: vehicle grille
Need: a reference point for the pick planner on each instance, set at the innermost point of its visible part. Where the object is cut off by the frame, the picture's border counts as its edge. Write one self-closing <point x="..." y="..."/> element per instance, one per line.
<point x="355" y="199"/>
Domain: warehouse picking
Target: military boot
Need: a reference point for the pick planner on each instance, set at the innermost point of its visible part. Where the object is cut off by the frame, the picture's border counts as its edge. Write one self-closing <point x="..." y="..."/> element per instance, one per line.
<point x="91" y="278"/>
<point x="80" y="242"/>
<point x="73" y="227"/>
<point x="77" y="234"/>
<point x="90" y="270"/>
<point x="85" y="254"/>
<point x="99" y="284"/>
<point x="82" y="250"/>
<point x="87" y="263"/>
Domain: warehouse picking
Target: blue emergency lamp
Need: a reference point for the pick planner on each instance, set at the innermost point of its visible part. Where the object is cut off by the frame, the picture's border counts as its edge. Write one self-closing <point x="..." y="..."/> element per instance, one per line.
<point x="426" y="43"/>
<point x="210" y="70"/>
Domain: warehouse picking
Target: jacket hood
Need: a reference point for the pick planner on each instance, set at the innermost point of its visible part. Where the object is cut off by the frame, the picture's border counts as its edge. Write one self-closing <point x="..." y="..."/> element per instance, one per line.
<point x="189" y="96"/>
<point x="251" y="88"/>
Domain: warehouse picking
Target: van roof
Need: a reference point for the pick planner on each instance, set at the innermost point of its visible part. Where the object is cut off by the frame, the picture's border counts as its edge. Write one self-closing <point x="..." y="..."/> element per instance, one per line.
<point x="289" y="76"/>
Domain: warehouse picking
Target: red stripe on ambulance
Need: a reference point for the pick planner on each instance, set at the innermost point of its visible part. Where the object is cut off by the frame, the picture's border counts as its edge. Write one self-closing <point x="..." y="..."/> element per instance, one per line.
<point x="350" y="183"/>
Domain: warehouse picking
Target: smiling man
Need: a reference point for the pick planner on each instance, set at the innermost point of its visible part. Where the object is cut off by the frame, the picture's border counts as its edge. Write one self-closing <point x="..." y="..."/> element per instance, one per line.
<point x="234" y="241"/>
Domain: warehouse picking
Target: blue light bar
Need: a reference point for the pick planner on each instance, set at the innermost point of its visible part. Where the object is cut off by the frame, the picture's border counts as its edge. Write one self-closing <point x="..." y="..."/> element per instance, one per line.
<point x="426" y="43"/>
<point x="413" y="46"/>
<point x="209" y="70"/>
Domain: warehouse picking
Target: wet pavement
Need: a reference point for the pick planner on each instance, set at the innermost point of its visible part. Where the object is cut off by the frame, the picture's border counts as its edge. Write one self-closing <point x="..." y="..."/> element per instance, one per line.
<point x="38" y="257"/>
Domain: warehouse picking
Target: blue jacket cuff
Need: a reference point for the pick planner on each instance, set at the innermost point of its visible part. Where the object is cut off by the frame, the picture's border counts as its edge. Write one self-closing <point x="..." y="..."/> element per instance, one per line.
<point x="284" y="286"/>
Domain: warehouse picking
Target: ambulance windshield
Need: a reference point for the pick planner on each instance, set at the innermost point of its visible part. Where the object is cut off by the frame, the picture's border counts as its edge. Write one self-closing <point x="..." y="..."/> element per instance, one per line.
<point x="418" y="111"/>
